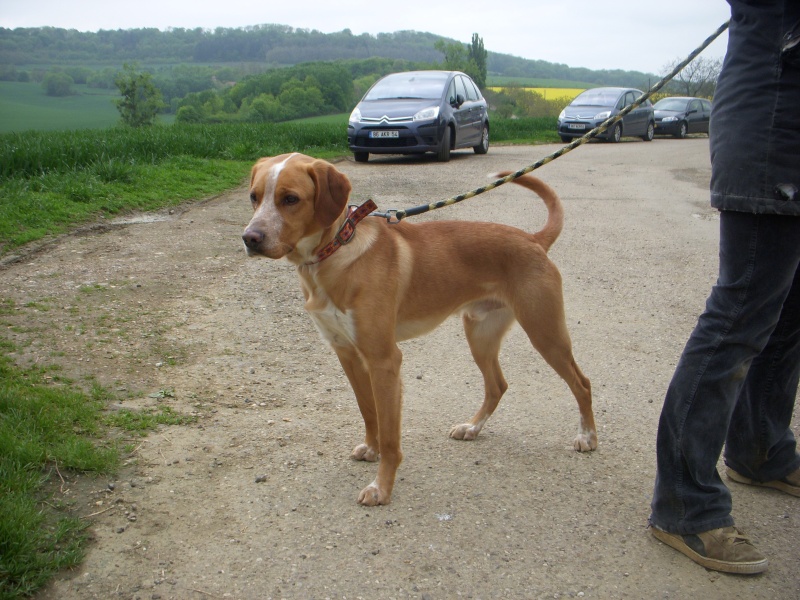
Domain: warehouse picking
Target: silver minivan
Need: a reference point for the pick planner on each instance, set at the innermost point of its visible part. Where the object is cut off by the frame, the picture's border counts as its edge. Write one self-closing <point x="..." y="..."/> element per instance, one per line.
<point x="590" y="108"/>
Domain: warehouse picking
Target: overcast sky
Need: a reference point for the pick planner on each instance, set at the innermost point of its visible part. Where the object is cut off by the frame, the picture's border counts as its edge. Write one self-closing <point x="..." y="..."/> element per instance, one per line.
<point x="616" y="34"/>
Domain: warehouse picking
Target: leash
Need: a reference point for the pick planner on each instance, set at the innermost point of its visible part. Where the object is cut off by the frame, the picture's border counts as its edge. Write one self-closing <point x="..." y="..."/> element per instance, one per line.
<point x="395" y="216"/>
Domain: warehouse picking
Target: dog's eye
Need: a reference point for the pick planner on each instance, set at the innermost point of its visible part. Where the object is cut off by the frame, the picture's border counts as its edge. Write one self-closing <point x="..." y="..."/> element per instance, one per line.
<point x="253" y="197"/>
<point x="290" y="200"/>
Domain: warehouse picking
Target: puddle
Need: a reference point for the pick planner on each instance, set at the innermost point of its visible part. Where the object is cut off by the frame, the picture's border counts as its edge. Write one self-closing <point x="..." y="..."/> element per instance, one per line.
<point x="139" y="219"/>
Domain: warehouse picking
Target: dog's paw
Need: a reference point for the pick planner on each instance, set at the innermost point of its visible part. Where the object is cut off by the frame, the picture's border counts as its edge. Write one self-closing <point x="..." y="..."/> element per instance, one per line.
<point x="373" y="496"/>
<point x="585" y="441"/>
<point x="364" y="452"/>
<point x="465" y="431"/>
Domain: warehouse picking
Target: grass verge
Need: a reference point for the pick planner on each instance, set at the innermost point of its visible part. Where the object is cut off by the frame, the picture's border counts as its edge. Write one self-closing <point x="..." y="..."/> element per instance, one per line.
<point x="52" y="182"/>
<point x="45" y="429"/>
<point x="52" y="431"/>
<point x="51" y="204"/>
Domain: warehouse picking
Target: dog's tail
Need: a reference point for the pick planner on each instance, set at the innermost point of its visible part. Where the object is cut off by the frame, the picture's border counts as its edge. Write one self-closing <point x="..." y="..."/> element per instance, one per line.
<point x="555" y="211"/>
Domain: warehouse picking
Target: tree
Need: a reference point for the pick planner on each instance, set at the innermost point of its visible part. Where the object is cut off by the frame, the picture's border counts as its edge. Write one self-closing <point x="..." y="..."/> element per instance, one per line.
<point x="141" y="100"/>
<point x="301" y="98"/>
<point x="471" y="60"/>
<point x="455" y="55"/>
<point x="698" y="78"/>
<point x="478" y="57"/>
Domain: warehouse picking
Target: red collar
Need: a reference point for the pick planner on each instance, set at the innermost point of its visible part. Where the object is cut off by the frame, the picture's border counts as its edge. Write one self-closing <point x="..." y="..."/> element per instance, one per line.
<point x="346" y="231"/>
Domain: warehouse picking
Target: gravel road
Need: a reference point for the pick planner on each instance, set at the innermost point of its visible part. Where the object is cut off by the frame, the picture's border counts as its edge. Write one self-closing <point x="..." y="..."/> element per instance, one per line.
<point x="257" y="498"/>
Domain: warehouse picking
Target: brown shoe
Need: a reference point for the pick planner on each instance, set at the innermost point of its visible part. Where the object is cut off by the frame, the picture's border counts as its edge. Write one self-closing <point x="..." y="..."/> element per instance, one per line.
<point x="724" y="549"/>
<point x="789" y="484"/>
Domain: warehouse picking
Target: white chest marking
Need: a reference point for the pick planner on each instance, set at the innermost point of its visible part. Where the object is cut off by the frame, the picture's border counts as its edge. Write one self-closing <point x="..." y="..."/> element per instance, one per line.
<point x="336" y="327"/>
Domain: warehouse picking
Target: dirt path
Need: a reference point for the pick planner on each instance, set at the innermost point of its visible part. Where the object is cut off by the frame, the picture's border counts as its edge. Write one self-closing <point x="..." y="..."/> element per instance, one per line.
<point x="257" y="499"/>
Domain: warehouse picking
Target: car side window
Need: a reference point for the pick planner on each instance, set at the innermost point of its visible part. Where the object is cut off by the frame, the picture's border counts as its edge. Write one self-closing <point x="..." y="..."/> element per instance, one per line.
<point x="451" y="92"/>
<point x="460" y="90"/>
<point x="630" y="98"/>
<point x="472" y="93"/>
<point x="695" y="105"/>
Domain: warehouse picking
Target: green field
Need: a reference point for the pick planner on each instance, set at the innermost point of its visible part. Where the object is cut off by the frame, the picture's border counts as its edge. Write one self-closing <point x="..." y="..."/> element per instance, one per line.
<point x="25" y="106"/>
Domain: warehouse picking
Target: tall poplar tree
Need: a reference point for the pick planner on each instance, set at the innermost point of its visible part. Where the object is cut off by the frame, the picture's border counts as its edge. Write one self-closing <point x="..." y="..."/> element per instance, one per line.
<point x="478" y="55"/>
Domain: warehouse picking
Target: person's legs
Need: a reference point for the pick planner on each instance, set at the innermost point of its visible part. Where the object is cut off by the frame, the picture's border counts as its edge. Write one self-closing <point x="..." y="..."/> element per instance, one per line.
<point x="759" y="256"/>
<point x="760" y="443"/>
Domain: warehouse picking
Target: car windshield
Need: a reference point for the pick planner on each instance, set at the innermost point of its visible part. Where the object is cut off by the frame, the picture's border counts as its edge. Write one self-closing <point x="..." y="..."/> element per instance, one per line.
<point x="670" y="104"/>
<point x="417" y="86"/>
<point x="597" y="98"/>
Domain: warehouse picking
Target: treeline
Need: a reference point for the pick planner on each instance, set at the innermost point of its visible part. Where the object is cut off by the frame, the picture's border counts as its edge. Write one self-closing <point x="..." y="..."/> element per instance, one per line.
<point x="275" y="45"/>
<point x="268" y="45"/>
<point x="305" y="90"/>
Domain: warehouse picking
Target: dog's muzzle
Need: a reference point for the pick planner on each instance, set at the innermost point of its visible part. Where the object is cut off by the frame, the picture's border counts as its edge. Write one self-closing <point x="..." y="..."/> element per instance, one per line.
<point x="254" y="242"/>
<point x="253" y="239"/>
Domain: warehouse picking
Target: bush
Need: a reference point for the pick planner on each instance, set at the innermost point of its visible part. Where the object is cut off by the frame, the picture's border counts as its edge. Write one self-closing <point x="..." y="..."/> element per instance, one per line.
<point x="57" y="83"/>
<point x="188" y="114"/>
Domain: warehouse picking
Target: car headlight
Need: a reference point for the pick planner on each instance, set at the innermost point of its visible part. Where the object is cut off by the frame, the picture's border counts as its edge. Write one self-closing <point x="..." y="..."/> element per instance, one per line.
<point x="427" y="114"/>
<point x="669" y="119"/>
<point x="355" y="116"/>
<point x="562" y="114"/>
<point x="603" y="115"/>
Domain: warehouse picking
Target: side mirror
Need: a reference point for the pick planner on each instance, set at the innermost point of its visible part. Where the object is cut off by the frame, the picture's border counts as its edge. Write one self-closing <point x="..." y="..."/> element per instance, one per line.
<point x="459" y="101"/>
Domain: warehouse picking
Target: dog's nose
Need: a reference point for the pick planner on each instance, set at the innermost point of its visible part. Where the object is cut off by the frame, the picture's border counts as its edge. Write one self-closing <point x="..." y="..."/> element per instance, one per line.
<point x="252" y="238"/>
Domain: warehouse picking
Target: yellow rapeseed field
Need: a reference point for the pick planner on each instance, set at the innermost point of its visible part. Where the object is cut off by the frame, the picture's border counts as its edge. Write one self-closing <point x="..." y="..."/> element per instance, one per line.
<point x="548" y="93"/>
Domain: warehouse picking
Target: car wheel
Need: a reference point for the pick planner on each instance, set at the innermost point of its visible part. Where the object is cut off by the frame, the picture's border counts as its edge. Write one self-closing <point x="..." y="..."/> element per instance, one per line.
<point x="361" y="156"/>
<point x="683" y="129"/>
<point x="616" y="133"/>
<point x="651" y="132"/>
<point x="443" y="155"/>
<point x="483" y="147"/>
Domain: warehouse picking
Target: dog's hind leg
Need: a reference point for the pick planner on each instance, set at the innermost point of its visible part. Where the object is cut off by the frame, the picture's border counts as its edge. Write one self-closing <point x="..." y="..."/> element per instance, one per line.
<point x="547" y="330"/>
<point x="485" y="333"/>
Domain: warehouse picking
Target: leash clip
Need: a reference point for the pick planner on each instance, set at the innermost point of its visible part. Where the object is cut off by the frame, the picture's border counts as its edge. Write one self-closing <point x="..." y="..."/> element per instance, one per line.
<point x="390" y="216"/>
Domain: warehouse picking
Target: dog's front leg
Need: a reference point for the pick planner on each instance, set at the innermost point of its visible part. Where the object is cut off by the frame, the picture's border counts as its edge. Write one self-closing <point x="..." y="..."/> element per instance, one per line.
<point x="358" y="376"/>
<point x="384" y="373"/>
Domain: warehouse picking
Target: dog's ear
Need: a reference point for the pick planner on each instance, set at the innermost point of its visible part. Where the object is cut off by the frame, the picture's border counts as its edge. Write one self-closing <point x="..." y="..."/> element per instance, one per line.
<point x="333" y="190"/>
<point x="255" y="168"/>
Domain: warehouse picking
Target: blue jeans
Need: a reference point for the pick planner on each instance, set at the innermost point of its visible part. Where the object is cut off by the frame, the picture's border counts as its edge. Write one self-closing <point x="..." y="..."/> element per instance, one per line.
<point x="736" y="381"/>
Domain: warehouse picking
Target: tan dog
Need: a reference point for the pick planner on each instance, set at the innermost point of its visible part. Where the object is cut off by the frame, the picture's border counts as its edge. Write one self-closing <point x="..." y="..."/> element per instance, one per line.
<point x="395" y="281"/>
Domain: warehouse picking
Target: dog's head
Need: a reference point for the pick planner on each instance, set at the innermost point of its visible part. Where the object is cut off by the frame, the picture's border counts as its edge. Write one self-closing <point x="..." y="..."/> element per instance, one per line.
<point x="295" y="199"/>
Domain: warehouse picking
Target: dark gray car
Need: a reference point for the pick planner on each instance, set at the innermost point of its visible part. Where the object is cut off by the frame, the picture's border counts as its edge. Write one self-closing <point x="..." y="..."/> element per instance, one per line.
<point x="680" y="116"/>
<point x="417" y="112"/>
<point x="590" y="108"/>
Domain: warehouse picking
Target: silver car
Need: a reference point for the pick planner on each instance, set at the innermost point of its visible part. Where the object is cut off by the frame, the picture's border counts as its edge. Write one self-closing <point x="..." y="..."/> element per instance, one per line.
<point x="590" y="108"/>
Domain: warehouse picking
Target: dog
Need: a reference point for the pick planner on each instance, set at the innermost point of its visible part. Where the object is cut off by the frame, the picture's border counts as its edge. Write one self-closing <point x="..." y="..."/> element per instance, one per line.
<point x="369" y="283"/>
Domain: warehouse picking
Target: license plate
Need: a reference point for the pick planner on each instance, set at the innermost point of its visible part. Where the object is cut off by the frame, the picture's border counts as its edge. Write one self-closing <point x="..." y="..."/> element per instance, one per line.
<point x="580" y="126"/>
<point x="384" y="134"/>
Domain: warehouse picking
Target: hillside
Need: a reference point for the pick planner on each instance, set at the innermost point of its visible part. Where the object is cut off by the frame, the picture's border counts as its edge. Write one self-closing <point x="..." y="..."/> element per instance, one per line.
<point x="271" y="45"/>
